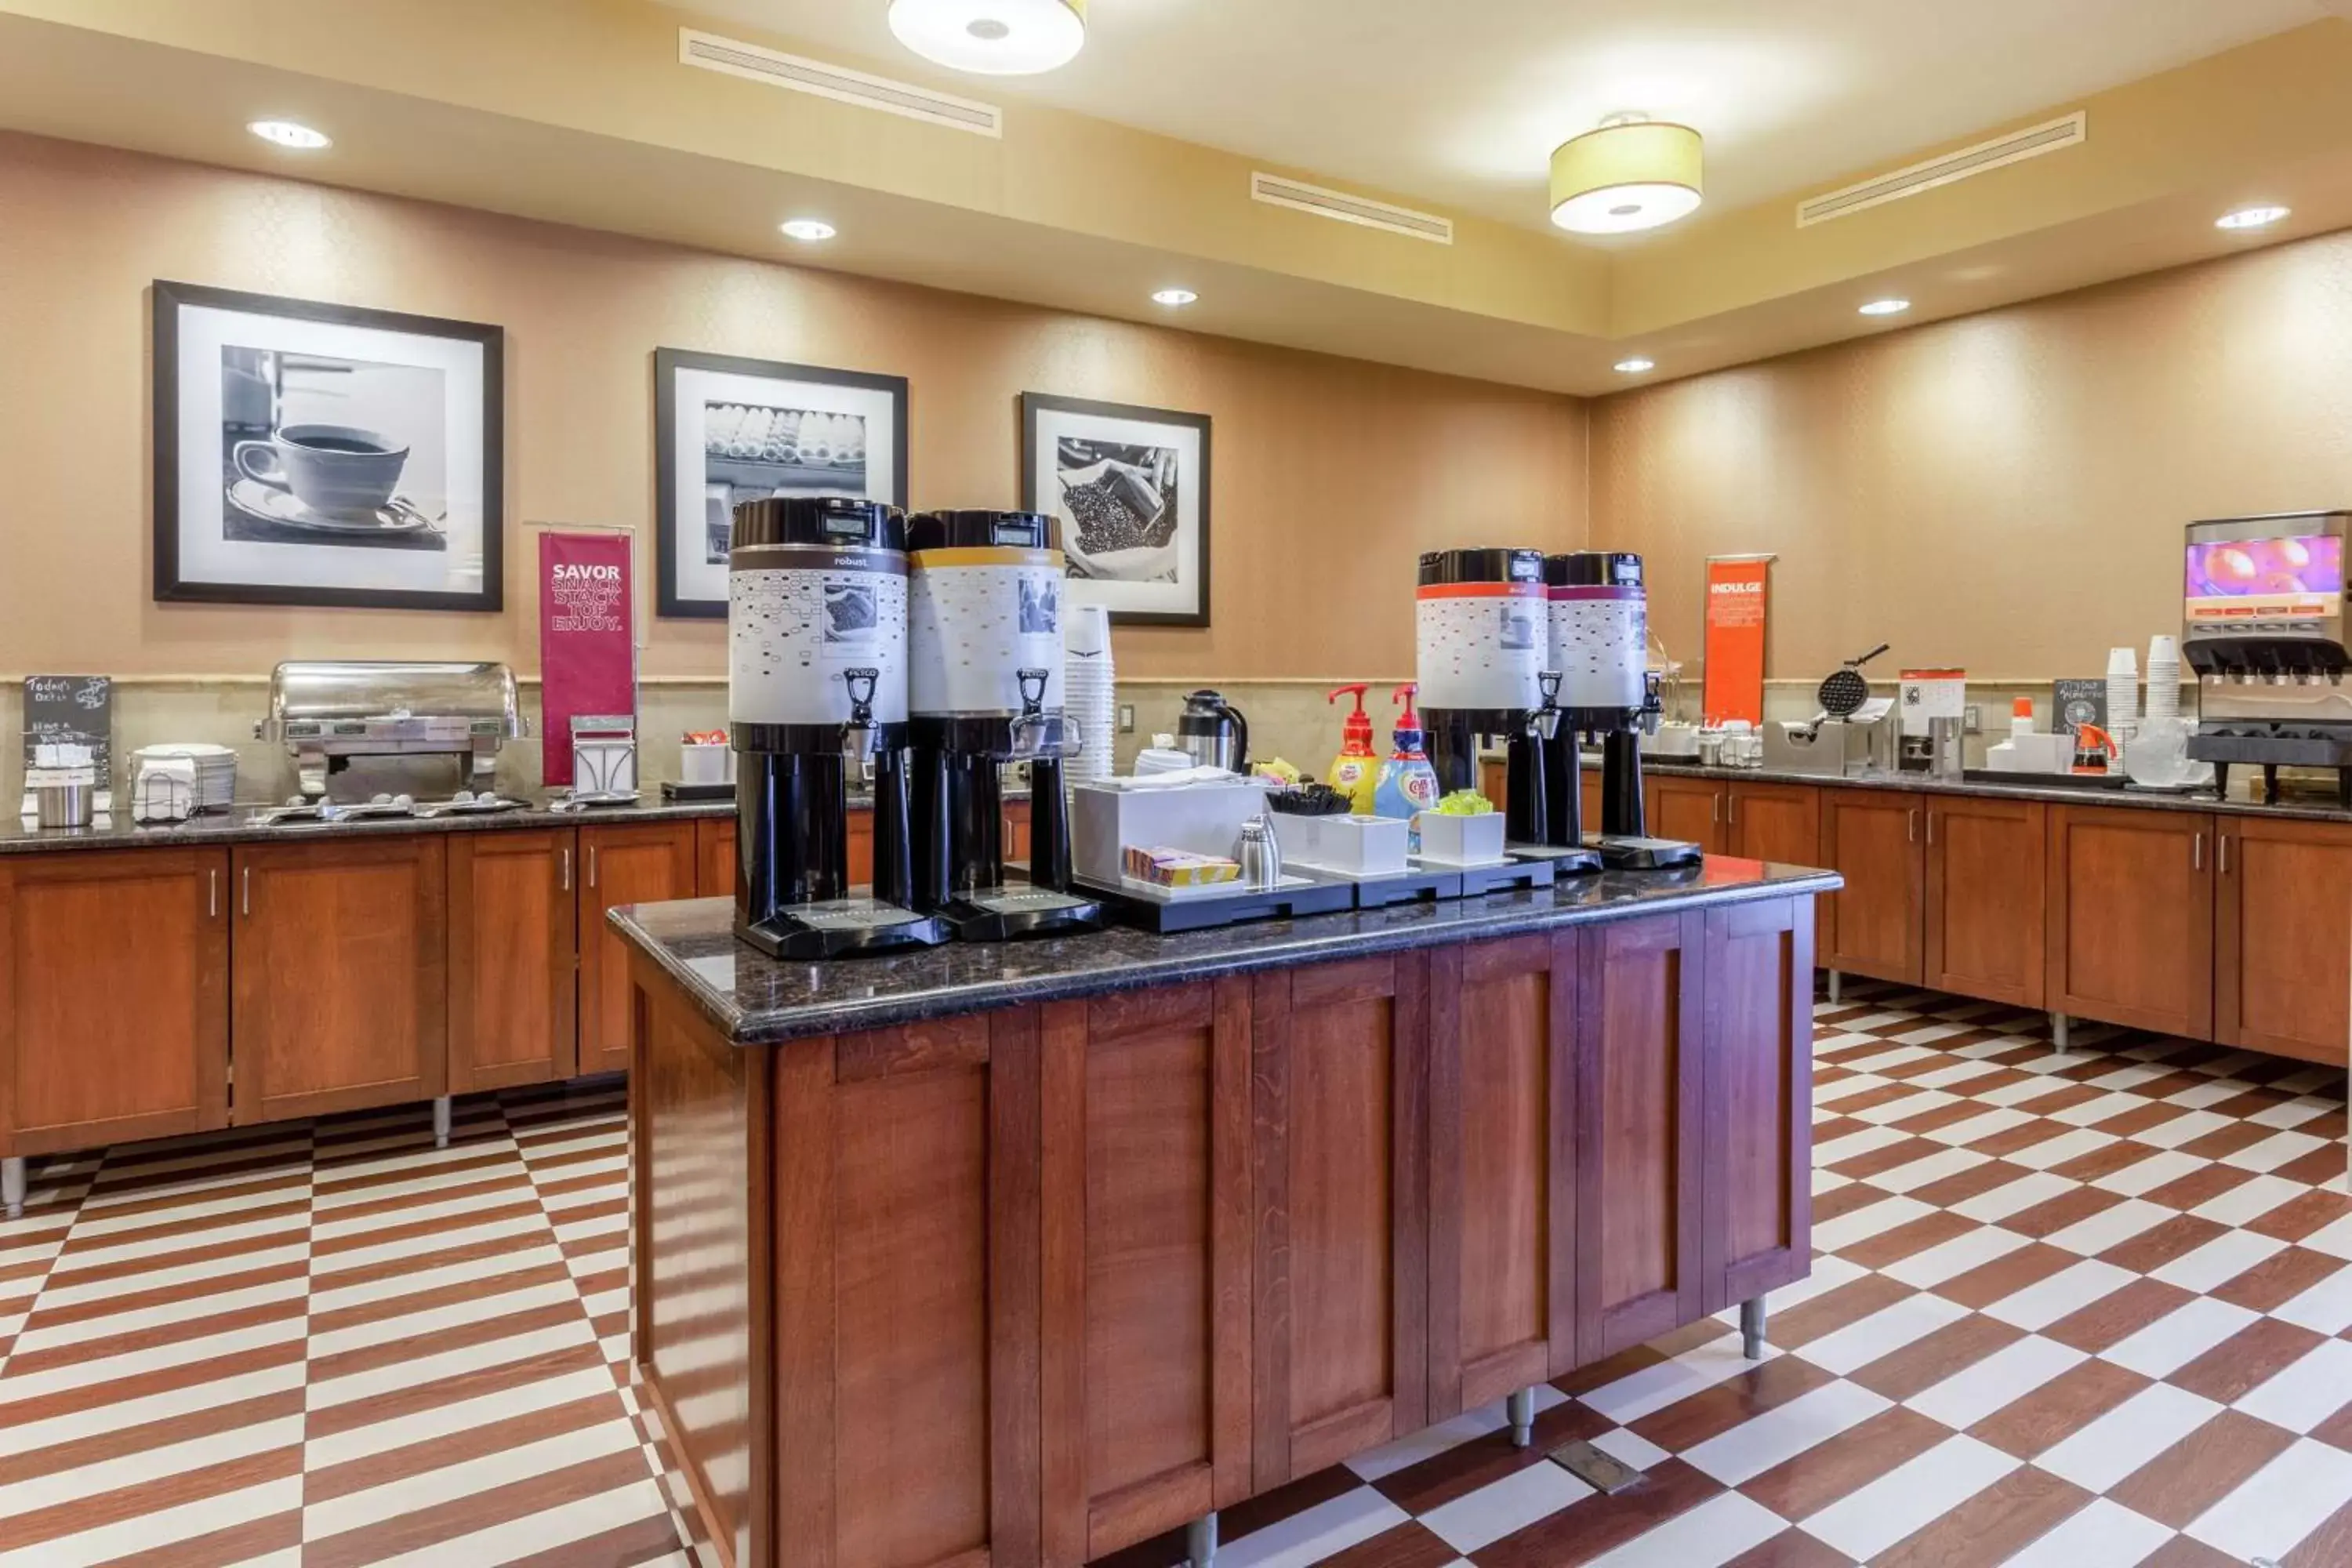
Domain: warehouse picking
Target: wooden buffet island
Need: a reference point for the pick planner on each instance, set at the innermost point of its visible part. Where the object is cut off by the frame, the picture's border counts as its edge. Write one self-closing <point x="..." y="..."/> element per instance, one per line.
<point x="1020" y="1255"/>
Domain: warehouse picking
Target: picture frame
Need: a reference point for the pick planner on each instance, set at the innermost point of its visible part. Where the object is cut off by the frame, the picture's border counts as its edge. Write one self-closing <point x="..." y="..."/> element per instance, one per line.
<point x="763" y="428"/>
<point x="315" y="453"/>
<point x="1131" y="486"/>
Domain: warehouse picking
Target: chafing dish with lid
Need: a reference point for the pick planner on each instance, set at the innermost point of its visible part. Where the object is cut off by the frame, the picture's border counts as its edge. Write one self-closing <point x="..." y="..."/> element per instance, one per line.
<point x="327" y="712"/>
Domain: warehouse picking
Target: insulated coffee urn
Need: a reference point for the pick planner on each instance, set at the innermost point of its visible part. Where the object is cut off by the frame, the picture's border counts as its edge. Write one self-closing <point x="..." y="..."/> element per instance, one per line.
<point x="1600" y="633"/>
<point x="816" y="692"/>
<point x="1481" y="646"/>
<point x="984" y="646"/>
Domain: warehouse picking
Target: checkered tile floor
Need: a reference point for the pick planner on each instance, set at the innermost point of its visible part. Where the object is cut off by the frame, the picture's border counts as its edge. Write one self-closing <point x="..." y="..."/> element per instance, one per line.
<point x="2066" y="1312"/>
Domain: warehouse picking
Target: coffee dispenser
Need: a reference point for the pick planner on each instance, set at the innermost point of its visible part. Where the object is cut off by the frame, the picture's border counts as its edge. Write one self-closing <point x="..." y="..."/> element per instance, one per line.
<point x="985" y="681"/>
<point x="1482" y="644"/>
<point x="1600" y="635"/>
<point x="817" y="694"/>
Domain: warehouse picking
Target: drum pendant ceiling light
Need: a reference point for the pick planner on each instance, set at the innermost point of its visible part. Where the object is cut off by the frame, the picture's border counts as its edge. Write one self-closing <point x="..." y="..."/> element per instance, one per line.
<point x="993" y="38"/>
<point x="1632" y="174"/>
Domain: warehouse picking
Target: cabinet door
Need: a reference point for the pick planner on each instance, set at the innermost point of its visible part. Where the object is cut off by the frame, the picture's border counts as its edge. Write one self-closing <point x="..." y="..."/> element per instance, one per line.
<point x="621" y="863"/>
<point x="2130" y="937"/>
<point x="1640" y="1086"/>
<point x="2283" y="930"/>
<point x="1588" y="798"/>
<point x="513" y="959"/>
<point x="714" y="858"/>
<point x="114" y="996"/>
<point x="1339" y="1089"/>
<point x="1016" y="830"/>
<point x="1760" y="1055"/>
<point x="1502" y="1140"/>
<point x="1986" y="862"/>
<point x="861" y="847"/>
<point x="340" y="972"/>
<point x="1146" y="1314"/>
<point x="1776" y="822"/>
<point x="1874" y="924"/>
<point x="1689" y="809"/>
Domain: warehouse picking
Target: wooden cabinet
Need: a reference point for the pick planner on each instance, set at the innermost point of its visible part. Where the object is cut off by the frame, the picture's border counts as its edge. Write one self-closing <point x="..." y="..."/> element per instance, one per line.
<point x="1986" y="860"/>
<point x="340" y="995"/>
<point x="861" y="848"/>
<point x="513" y="959"/>
<point x="2282" y="937"/>
<point x="620" y="863"/>
<point x="714" y="858"/>
<point x="1774" y="822"/>
<point x="1341" y="1307"/>
<point x="1640" y="1087"/>
<point x="113" y="998"/>
<point x="1016" y="830"/>
<point x="1874" y="924"/>
<point x="1502" y="1140"/>
<point x="1690" y="809"/>
<point x="1758" y="1040"/>
<point x="2130" y="917"/>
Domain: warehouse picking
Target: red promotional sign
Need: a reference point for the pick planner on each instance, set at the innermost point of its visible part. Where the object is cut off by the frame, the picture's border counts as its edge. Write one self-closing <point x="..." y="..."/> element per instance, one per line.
<point x="1736" y="597"/>
<point x="587" y="643"/>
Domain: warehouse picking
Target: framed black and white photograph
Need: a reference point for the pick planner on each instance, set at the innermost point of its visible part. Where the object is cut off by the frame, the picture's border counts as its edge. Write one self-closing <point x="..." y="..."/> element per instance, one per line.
<point x="1132" y="488"/>
<point x="728" y="430"/>
<point x="316" y="454"/>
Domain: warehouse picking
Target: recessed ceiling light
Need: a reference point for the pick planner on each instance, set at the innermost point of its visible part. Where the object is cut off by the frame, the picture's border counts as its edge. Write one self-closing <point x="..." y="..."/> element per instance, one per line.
<point x="993" y="38"/>
<point x="288" y="133"/>
<point x="1174" y="297"/>
<point x="2250" y="217"/>
<point x="1886" y="307"/>
<point x="808" y="230"/>
<point x="1635" y="367"/>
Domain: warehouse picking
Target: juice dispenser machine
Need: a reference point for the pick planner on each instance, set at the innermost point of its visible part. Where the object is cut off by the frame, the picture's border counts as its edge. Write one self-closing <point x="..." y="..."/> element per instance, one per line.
<point x="2262" y="627"/>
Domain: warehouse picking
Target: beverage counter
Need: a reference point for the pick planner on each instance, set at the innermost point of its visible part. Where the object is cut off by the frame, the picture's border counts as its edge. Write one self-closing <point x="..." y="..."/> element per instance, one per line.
<point x="1024" y="1254"/>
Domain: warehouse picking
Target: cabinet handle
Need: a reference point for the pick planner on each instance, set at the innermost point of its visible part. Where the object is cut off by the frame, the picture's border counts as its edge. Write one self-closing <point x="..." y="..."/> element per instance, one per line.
<point x="245" y="895"/>
<point x="212" y="893"/>
<point x="1715" y="808"/>
<point x="2196" y="852"/>
<point x="2225" y="854"/>
<point x="567" y="868"/>
<point x="1730" y="809"/>
<point x="1911" y="826"/>
<point x="592" y="867"/>
<point x="1931" y="824"/>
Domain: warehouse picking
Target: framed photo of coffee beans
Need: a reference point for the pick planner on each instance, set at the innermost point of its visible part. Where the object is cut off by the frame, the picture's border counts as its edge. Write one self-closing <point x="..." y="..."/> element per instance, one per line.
<point x="728" y="430"/>
<point x="1131" y="487"/>
<point x="316" y="454"/>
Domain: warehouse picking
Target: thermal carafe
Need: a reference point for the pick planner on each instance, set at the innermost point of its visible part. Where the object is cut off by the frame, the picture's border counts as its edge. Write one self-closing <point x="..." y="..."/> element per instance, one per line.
<point x="1599" y="611"/>
<point x="1481" y="648"/>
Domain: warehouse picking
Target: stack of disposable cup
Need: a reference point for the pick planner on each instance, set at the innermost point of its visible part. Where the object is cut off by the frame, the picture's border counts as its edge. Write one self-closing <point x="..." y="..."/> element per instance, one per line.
<point x="2163" y="676"/>
<point x="2123" y="688"/>
<point x="1089" y="689"/>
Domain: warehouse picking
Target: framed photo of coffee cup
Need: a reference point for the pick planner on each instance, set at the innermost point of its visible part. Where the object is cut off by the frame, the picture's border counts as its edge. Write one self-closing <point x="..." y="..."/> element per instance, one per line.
<point x="1131" y="486"/>
<point x="728" y="430"/>
<point x="315" y="453"/>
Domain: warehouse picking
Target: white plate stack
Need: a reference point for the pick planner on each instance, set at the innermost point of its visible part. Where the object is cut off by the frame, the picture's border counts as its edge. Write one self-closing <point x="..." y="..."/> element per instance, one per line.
<point x="2123" y="689"/>
<point x="215" y="769"/>
<point x="2163" y="676"/>
<point x="1089" y="689"/>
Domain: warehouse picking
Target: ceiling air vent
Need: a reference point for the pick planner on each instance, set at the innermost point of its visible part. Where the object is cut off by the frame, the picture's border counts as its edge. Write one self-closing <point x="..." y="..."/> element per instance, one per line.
<point x="749" y="61"/>
<point x="2014" y="148"/>
<point x="1282" y="193"/>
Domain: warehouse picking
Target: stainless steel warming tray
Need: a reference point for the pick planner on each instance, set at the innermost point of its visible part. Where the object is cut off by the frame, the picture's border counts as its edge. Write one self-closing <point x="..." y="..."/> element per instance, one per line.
<point x="328" y="711"/>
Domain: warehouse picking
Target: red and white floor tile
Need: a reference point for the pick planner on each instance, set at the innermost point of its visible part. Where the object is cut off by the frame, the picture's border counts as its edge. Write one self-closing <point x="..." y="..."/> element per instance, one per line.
<point x="2089" y="1311"/>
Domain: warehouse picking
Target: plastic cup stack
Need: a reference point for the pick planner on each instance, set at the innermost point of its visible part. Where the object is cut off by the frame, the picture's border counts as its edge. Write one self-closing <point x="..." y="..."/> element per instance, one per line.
<point x="1089" y="689"/>
<point x="2163" y="676"/>
<point x="2123" y="688"/>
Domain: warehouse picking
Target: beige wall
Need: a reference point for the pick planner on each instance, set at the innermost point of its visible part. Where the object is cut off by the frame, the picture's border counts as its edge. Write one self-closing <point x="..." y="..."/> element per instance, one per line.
<point x="2004" y="492"/>
<point x="1329" y="475"/>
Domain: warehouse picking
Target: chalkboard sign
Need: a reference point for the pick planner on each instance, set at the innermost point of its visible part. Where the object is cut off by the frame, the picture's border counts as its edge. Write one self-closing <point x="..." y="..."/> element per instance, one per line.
<point x="77" y="709"/>
<point x="2074" y="703"/>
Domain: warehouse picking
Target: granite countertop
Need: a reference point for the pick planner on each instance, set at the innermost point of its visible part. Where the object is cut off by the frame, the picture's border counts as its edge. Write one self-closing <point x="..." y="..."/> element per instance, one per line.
<point x="2030" y="786"/>
<point x="759" y="1000"/>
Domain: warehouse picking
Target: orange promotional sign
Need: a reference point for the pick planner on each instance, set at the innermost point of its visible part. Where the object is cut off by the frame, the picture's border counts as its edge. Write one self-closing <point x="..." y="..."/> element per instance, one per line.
<point x="1738" y="592"/>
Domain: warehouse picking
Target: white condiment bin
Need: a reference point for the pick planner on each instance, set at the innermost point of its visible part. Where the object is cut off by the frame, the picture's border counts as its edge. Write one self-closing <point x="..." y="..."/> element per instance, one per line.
<point x="1203" y="819"/>
<point x="1461" y="840"/>
<point x="1352" y="846"/>
<point x="706" y="762"/>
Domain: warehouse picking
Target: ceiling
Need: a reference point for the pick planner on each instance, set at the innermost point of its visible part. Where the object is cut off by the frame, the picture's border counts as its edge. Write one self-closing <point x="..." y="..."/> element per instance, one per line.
<point x="1462" y="103"/>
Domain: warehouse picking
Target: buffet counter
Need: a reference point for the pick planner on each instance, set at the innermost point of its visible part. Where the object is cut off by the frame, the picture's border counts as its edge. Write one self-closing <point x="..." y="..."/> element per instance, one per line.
<point x="1021" y="1255"/>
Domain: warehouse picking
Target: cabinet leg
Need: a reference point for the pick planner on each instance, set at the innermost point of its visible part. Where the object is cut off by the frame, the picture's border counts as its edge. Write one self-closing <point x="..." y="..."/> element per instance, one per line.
<point x="1521" y="1408"/>
<point x="441" y="1123"/>
<point x="12" y="1185"/>
<point x="1751" y="1327"/>
<point x="1201" y="1540"/>
<point x="2058" y="1032"/>
<point x="1837" y="986"/>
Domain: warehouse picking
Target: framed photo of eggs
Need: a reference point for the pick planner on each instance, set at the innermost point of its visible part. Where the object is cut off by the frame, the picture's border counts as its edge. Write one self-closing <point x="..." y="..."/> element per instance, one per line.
<point x="1131" y="487"/>
<point x="728" y="430"/>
